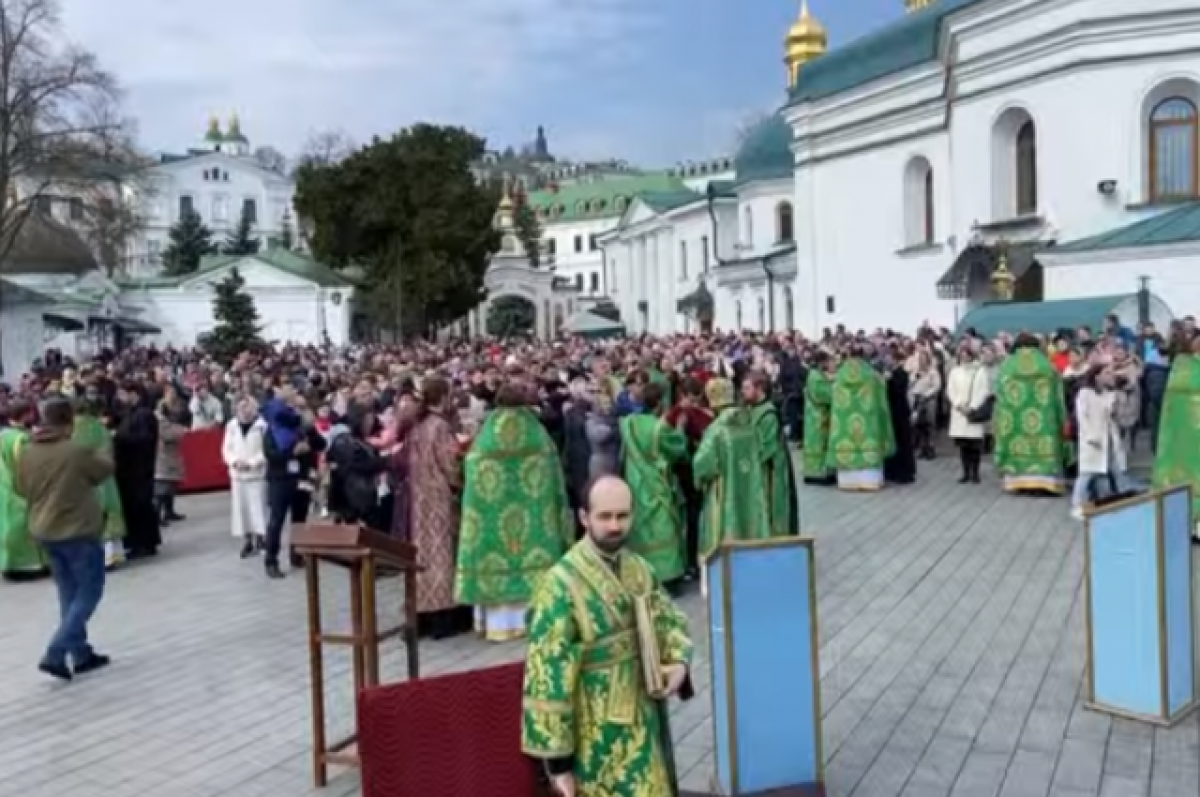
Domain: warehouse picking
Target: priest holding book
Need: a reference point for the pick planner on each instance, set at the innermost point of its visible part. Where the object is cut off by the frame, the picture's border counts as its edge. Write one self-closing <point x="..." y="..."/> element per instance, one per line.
<point x="607" y="648"/>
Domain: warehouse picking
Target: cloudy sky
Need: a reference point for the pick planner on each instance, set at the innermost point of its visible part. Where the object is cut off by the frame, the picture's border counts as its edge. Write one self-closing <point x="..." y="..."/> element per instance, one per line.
<point x="652" y="81"/>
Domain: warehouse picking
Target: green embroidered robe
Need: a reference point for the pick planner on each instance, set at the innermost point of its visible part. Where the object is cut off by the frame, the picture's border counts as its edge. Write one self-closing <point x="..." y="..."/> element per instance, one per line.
<point x="90" y="433"/>
<point x="779" y="479"/>
<point x="860" y="422"/>
<point x="650" y="449"/>
<point x="663" y="381"/>
<point x="1177" y="456"/>
<point x="515" y="519"/>
<point x="1028" y="417"/>
<point x="585" y="693"/>
<point x="19" y="552"/>
<point x="818" y="396"/>
<point x="727" y="468"/>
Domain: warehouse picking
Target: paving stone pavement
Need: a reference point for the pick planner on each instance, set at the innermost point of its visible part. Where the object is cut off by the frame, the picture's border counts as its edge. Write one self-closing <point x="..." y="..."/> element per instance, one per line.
<point x="952" y="662"/>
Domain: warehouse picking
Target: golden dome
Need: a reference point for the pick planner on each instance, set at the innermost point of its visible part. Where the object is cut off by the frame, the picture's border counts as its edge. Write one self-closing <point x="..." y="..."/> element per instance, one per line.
<point x="806" y="39"/>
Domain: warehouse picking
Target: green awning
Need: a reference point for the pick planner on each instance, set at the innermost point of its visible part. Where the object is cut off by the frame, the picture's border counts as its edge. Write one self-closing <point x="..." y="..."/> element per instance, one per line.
<point x="1047" y="318"/>
<point x="585" y="323"/>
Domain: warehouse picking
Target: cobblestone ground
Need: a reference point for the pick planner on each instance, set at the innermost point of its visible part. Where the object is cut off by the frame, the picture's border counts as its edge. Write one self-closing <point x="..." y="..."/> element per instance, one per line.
<point x="952" y="662"/>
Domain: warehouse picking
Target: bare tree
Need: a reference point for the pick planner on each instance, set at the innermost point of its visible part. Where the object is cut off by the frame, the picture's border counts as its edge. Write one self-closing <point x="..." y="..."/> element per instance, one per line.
<point x="743" y="129"/>
<point x="271" y="159"/>
<point x="61" y="130"/>
<point x="325" y="147"/>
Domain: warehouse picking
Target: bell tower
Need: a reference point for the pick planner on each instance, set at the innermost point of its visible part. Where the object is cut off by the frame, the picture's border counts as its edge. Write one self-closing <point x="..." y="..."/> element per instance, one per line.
<point x="916" y="5"/>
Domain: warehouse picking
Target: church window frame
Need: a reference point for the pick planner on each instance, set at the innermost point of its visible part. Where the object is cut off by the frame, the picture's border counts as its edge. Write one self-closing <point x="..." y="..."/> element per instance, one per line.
<point x="1173" y="142"/>
<point x="785" y="223"/>
<point x="748" y="227"/>
<point x="920" y="205"/>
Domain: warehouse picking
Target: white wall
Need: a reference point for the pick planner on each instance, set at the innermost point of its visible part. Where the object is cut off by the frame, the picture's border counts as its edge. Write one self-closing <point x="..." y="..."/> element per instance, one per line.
<point x="21" y="340"/>
<point x="1174" y="273"/>
<point x="1084" y="70"/>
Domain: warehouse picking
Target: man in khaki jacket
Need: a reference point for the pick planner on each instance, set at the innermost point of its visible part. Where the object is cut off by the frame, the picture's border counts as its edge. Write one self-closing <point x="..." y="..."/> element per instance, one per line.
<point x="57" y="478"/>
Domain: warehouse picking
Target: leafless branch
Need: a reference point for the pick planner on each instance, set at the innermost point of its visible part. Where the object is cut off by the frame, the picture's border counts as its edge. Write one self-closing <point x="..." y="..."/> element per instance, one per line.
<point x="325" y="147"/>
<point x="61" y="130"/>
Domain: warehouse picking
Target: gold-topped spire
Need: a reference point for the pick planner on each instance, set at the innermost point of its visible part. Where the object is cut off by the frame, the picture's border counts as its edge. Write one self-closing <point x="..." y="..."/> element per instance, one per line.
<point x="214" y="129"/>
<point x="806" y="39"/>
<point x="916" y="5"/>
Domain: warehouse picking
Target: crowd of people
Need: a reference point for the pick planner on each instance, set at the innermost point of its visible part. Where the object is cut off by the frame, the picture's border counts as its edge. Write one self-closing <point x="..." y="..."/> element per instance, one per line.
<point x="481" y="451"/>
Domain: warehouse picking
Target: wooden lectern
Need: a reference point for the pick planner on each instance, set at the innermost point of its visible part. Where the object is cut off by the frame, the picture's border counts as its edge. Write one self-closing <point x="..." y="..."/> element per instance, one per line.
<point x="361" y="551"/>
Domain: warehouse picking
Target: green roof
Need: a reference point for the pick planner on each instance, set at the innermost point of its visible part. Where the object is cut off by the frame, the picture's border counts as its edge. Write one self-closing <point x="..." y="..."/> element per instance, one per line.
<point x="766" y="152"/>
<point x="663" y="201"/>
<point x="294" y="263"/>
<point x="600" y="198"/>
<point x="906" y="43"/>
<point x="1041" y="318"/>
<point x="1177" y="226"/>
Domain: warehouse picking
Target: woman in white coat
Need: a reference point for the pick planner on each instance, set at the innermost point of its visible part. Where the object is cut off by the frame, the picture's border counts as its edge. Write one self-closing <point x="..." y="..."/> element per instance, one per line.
<point x="1101" y="444"/>
<point x="968" y="391"/>
<point x="243" y="455"/>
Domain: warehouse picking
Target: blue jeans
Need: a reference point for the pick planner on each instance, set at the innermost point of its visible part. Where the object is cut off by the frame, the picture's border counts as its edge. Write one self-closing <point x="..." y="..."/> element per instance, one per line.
<point x="78" y="570"/>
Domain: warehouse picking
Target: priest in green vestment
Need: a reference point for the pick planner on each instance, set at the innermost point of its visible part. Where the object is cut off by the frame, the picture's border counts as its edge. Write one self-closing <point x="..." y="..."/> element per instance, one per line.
<point x="91" y="434"/>
<point x="515" y="520"/>
<point x="650" y="451"/>
<point x="727" y="470"/>
<point x="1028" y="419"/>
<point x="779" y="479"/>
<point x="21" y="558"/>
<point x="1177" y="455"/>
<point x="860" y="426"/>
<point x="607" y="648"/>
<point x="818" y="397"/>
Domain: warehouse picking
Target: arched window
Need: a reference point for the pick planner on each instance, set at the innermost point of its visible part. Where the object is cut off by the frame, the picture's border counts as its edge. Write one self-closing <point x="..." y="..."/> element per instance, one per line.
<point x="919" y="208"/>
<point x="1173" y="142"/>
<point x="762" y="315"/>
<point x="748" y="227"/>
<point x="1026" y="163"/>
<point x="789" y="309"/>
<point x="784" y="223"/>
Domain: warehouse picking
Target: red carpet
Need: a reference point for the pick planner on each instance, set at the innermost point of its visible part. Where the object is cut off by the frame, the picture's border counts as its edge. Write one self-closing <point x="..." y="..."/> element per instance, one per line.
<point x="452" y="736"/>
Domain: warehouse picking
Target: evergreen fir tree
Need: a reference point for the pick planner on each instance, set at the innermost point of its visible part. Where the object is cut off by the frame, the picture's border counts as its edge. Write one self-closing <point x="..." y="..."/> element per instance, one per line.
<point x="242" y="241"/>
<point x="237" y="328"/>
<point x="190" y="241"/>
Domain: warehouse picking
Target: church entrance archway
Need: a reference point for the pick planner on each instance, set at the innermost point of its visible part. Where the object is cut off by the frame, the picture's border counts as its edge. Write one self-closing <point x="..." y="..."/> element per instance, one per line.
<point x="511" y="316"/>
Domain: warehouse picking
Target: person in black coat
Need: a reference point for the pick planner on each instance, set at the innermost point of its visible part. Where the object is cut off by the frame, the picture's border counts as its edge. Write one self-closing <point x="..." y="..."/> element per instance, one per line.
<point x="135" y="449"/>
<point x="901" y="466"/>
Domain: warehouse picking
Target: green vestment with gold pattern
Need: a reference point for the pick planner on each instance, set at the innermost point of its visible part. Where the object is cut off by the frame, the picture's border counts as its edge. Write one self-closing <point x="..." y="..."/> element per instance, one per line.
<point x="19" y="552"/>
<point x="1177" y="454"/>
<point x="585" y="694"/>
<point x="727" y="468"/>
<point x="779" y="479"/>
<point x="818" y="397"/>
<point x="650" y="450"/>
<point x="1027" y="422"/>
<point x="515" y="519"/>
<point x="90" y="433"/>
<point x="860" y="421"/>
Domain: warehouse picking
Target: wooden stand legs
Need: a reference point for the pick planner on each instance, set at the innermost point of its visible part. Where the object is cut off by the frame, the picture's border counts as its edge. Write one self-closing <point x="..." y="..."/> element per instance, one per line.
<point x="363" y="642"/>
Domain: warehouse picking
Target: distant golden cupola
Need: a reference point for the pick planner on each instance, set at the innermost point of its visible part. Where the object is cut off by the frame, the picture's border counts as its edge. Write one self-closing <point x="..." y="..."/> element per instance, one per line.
<point x="805" y="40"/>
<point x="916" y="5"/>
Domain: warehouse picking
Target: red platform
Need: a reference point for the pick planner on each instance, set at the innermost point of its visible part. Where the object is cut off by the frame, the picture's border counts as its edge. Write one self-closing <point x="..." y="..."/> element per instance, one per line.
<point x="204" y="469"/>
<point x="448" y="736"/>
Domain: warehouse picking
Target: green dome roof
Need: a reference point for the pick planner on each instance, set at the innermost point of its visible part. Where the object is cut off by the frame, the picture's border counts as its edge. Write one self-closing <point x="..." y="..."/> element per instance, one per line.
<point x="766" y="151"/>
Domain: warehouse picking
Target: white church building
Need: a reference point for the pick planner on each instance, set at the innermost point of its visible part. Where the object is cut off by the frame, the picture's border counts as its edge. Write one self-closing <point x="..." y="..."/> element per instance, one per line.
<point x="1058" y="136"/>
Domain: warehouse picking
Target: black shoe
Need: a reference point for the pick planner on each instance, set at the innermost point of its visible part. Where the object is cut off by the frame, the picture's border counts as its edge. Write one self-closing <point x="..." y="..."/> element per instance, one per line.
<point x="248" y="549"/>
<point x="59" y="671"/>
<point x="964" y="479"/>
<point x="175" y="517"/>
<point x="297" y="561"/>
<point x="274" y="572"/>
<point x="95" y="662"/>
